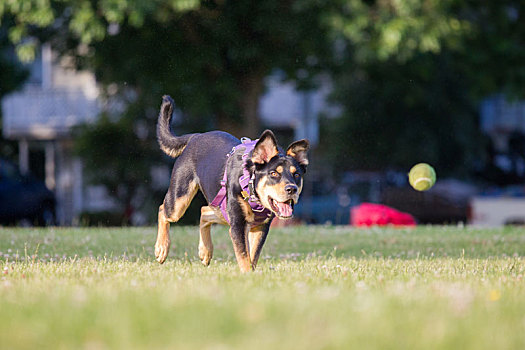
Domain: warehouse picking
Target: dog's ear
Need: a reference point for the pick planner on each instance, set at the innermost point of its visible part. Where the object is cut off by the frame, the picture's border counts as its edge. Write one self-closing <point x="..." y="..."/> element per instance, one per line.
<point x="298" y="150"/>
<point x="265" y="149"/>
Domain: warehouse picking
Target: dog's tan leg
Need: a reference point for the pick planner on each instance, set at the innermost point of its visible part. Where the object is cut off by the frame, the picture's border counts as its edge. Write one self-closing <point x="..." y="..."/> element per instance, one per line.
<point x="241" y="249"/>
<point x="256" y="238"/>
<point x="208" y="217"/>
<point x="171" y="211"/>
<point x="162" y="246"/>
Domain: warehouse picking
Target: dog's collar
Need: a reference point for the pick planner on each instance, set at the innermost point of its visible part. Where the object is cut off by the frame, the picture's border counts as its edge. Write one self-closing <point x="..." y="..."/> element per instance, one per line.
<point x="246" y="181"/>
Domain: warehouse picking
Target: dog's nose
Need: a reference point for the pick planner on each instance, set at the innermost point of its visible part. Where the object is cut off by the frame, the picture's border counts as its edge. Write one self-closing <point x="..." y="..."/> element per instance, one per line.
<point x="290" y="189"/>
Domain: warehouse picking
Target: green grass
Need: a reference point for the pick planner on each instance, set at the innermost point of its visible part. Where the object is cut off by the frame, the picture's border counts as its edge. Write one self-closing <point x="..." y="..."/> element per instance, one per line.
<point x="315" y="288"/>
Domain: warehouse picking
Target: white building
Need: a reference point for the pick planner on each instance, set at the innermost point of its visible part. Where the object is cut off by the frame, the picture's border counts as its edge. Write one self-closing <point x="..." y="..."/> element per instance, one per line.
<point x="282" y="106"/>
<point x="500" y="118"/>
<point x="41" y="116"/>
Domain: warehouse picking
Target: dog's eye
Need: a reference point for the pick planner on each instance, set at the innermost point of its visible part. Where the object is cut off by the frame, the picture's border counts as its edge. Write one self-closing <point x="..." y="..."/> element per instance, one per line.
<point x="296" y="175"/>
<point x="274" y="174"/>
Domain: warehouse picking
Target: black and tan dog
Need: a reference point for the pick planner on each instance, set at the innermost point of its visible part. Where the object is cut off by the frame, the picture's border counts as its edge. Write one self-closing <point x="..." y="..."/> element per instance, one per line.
<point x="258" y="184"/>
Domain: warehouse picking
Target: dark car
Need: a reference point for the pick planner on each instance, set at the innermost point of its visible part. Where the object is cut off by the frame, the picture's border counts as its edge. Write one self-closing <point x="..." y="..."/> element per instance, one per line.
<point x="24" y="198"/>
<point x="322" y="202"/>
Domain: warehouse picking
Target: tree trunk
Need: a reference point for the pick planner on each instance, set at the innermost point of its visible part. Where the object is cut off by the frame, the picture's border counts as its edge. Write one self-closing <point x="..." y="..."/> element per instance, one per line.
<point x="251" y="88"/>
<point x="248" y="124"/>
<point x="226" y="123"/>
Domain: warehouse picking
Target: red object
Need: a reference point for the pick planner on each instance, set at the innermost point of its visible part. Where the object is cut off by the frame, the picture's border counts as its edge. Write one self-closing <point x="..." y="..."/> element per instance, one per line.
<point x="370" y="214"/>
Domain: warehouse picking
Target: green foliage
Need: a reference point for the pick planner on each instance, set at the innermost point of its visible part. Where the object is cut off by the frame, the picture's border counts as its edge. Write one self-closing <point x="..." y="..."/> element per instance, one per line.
<point x="399" y="114"/>
<point x="408" y="74"/>
<point x="86" y="20"/>
<point x="410" y="81"/>
<point x="316" y="287"/>
<point x="211" y="57"/>
<point x="116" y="157"/>
<point x="380" y="30"/>
<point x="494" y="52"/>
<point x="115" y="140"/>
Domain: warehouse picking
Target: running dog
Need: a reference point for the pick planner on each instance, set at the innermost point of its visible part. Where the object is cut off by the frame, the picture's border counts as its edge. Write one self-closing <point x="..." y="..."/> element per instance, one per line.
<point x="246" y="184"/>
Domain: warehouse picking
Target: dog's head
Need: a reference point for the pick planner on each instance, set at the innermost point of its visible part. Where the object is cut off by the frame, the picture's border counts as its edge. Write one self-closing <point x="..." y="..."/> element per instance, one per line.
<point x="279" y="175"/>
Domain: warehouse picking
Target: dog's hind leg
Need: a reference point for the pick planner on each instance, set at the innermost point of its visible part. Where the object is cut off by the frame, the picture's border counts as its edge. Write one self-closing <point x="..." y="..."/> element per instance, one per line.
<point x="162" y="246"/>
<point x="208" y="217"/>
<point x="176" y="202"/>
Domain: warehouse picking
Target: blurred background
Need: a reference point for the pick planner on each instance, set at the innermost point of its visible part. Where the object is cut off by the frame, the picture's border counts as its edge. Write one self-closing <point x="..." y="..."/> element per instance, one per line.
<point x="376" y="86"/>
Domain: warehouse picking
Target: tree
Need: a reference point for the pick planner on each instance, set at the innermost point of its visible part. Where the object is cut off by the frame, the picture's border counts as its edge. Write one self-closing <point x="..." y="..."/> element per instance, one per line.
<point x="211" y="56"/>
<point x="388" y="59"/>
<point x="417" y="100"/>
<point x="493" y="52"/>
<point x="116" y="158"/>
<point x="398" y="114"/>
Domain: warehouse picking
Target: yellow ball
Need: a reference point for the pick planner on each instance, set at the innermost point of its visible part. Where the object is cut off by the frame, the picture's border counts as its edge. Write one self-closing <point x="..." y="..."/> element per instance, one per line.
<point x="422" y="177"/>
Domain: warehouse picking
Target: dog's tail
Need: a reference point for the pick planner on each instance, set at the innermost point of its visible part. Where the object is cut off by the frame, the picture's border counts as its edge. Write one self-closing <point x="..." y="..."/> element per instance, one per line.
<point x="170" y="144"/>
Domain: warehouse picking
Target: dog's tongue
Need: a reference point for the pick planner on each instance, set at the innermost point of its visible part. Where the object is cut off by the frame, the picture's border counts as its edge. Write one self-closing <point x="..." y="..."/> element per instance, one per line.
<point x="285" y="209"/>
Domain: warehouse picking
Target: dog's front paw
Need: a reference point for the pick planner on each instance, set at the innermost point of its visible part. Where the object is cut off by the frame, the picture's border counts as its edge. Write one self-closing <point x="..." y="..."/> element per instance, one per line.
<point x="161" y="250"/>
<point x="205" y="254"/>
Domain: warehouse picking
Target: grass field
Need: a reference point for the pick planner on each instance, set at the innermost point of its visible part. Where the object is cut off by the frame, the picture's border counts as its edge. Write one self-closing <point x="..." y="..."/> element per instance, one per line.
<point x="315" y="288"/>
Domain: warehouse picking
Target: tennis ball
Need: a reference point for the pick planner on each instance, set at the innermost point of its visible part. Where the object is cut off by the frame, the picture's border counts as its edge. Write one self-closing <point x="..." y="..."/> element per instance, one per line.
<point x="422" y="177"/>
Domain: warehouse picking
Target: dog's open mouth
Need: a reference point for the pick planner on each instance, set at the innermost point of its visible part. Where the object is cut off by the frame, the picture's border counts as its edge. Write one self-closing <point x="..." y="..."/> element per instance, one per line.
<point x="283" y="210"/>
